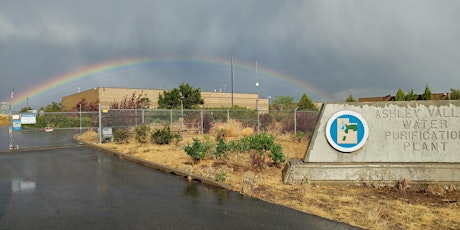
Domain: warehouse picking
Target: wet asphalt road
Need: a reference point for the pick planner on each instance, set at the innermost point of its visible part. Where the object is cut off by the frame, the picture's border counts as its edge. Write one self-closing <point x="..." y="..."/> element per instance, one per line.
<point x="82" y="188"/>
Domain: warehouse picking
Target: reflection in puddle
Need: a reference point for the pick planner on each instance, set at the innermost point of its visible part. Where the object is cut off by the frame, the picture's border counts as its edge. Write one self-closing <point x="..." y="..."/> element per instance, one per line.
<point x="195" y="189"/>
<point x="23" y="185"/>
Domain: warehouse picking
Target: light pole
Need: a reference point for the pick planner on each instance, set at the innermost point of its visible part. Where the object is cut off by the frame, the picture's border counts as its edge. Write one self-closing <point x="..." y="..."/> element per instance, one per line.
<point x="257" y="105"/>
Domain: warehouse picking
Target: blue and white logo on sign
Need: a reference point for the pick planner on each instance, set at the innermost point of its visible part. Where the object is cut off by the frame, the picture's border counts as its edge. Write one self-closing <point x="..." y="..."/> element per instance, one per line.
<point x="347" y="131"/>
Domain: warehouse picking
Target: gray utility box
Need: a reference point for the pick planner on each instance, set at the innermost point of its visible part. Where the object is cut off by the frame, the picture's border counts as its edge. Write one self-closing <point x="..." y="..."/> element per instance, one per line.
<point x="107" y="134"/>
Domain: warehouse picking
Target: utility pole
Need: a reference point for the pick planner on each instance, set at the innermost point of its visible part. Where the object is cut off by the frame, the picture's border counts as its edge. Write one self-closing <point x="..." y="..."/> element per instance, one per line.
<point x="231" y="65"/>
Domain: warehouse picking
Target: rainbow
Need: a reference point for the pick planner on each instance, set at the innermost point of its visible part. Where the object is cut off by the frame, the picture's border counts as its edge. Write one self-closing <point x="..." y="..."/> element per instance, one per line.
<point x="127" y="64"/>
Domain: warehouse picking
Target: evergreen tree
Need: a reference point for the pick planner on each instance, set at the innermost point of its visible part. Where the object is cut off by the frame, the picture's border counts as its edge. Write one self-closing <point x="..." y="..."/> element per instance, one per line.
<point x="455" y="94"/>
<point x="411" y="96"/>
<point x="350" y="98"/>
<point x="427" y="94"/>
<point x="305" y="103"/>
<point x="400" y="96"/>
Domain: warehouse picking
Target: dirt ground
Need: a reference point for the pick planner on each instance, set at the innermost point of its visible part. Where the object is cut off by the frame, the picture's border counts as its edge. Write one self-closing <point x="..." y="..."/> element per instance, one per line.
<point x="370" y="206"/>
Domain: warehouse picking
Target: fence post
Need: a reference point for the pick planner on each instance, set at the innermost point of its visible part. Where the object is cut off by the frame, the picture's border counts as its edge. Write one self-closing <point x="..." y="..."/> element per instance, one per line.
<point x="143" y="118"/>
<point x="295" y="121"/>
<point x="258" y="120"/>
<point x="171" y="121"/>
<point x="80" y="127"/>
<point x="202" y="120"/>
<point x="135" y="114"/>
<point x="100" y="124"/>
<point x="228" y="116"/>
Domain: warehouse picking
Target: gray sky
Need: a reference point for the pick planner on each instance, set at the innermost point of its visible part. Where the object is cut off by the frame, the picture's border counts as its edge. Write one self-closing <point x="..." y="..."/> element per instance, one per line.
<point x="327" y="49"/>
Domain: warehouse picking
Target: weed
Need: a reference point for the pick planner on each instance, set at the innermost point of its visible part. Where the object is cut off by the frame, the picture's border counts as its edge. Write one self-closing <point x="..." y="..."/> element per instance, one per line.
<point x="221" y="176"/>
<point x="221" y="134"/>
<point x="221" y="149"/>
<point x="403" y="184"/>
<point x="299" y="135"/>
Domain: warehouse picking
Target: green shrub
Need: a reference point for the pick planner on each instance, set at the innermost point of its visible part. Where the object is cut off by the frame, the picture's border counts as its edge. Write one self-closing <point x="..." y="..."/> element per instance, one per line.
<point x="222" y="176"/>
<point x="120" y="136"/>
<point x="276" y="154"/>
<point x="299" y="136"/>
<point x="261" y="143"/>
<point x="198" y="150"/>
<point x="221" y="149"/>
<point x="242" y="145"/>
<point x="141" y="133"/>
<point x="164" y="136"/>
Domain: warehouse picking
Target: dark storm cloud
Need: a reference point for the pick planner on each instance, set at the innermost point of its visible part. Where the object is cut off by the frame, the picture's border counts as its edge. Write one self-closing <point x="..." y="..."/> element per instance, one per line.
<point x="367" y="48"/>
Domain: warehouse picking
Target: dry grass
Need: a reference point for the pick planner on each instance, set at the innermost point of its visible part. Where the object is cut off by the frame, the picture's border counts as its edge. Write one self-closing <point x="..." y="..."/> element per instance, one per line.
<point x="391" y="207"/>
<point x="3" y="119"/>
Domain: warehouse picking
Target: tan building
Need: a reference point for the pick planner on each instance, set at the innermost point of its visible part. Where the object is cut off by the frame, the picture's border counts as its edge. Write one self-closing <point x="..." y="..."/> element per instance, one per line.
<point x="106" y="96"/>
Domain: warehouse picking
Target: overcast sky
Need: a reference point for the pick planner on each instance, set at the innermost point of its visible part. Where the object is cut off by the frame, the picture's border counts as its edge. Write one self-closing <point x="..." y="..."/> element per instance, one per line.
<point x="333" y="48"/>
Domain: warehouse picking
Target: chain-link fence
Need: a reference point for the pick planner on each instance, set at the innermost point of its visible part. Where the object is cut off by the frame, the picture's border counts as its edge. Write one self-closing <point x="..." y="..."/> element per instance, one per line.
<point x="203" y="121"/>
<point x="66" y="125"/>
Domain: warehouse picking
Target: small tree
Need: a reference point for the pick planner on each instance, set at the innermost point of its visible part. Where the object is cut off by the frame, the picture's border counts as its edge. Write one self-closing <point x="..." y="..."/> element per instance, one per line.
<point x="135" y="101"/>
<point x="411" y="95"/>
<point x="282" y="103"/>
<point x="189" y="96"/>
<point x="350" y="98"/>
<point x="53" y="107"/>
<point x="25" y="109"/>
<point x="427" y="93"/>
<point x="455" y="94"/>
<point x="400" y="96"/>
<point x="86" y="106"/>
<point x="305" y="103"/>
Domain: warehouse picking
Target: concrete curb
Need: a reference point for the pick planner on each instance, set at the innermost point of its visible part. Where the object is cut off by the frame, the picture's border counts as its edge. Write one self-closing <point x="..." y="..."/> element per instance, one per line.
<point x="164" y="168"/>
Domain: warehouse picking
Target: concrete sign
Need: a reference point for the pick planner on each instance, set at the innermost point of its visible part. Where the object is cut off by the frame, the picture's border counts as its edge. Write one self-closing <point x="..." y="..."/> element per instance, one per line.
<point x="386" y="140"/>
<point x="397" y="132"/>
